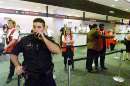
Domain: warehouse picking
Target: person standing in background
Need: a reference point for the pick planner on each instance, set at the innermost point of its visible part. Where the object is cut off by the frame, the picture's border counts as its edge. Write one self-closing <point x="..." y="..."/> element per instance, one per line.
<point x="2" y="38"/>
<point x="127" y="44"/>
<point x="18" y="28"/>
<point x="62" y="33"/>
<point x="113" y="42"/>
<point x="11" y="40"/>
<point x="5" y="28"/>
<point x="68" y="47"/>
<point x="92" y="48"/>
<point x="102" y="36"/>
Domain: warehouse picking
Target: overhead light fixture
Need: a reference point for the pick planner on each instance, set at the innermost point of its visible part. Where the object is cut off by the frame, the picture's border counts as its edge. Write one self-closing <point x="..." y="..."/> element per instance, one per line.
<point x="116" y="0"/>
<point x="113" y="5"/>
<point x="126" y="9"/>
<point x="111" y="12"/>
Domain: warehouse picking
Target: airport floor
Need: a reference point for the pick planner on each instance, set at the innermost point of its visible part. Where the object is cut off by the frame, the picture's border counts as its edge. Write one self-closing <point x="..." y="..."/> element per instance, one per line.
<point x="80" y="77"/>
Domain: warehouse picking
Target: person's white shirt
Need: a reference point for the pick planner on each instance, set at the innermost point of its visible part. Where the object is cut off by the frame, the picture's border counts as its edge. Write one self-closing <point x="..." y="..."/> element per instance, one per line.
<point x="15" y="35"/>
<point x="67" y="39"/>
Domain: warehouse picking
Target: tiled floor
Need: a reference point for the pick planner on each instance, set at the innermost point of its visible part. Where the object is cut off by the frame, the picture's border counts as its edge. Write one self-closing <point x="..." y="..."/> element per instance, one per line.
<point x="80" y="77"/>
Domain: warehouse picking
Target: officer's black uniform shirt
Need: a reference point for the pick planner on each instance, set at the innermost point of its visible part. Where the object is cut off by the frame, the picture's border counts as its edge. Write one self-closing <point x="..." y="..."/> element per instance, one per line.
<point x="37" y="57"/>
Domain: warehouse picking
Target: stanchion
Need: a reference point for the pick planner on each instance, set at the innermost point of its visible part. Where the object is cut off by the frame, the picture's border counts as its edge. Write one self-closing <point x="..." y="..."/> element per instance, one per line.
<point x="118" y="78"/>
<point x="69" y="71"/>
<point x="117" y="57"/>
<point x="19" y="77"/>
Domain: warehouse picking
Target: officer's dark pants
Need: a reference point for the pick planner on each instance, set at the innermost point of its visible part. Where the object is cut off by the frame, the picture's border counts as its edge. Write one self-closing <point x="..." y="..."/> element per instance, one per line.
<point x="12" y="68"/>
<point x="92" y="55"/>
<point x="40" y="80"/>
<point x="102" y="58"/>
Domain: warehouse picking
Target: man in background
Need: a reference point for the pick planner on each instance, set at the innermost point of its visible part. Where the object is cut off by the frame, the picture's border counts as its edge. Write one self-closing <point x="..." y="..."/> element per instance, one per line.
<point x="92" y="48"/>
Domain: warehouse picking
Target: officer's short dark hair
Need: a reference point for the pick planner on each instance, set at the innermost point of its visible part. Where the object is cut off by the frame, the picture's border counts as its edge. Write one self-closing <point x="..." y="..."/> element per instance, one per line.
<point x="39" y="20"/>
<point x="101" y="25"/>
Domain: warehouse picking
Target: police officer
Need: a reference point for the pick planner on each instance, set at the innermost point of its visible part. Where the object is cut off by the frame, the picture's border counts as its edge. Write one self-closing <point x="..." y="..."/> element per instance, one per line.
<point x="36" y="48"/>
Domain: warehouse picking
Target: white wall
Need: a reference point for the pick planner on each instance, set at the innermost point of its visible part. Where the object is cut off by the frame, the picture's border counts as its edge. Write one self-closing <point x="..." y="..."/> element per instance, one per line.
<point x="54" y="24"/>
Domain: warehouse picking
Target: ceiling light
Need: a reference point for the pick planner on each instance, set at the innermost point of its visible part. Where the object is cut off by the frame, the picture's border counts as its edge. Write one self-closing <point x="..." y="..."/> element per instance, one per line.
<point x="113" y="5"/>
<point x="111" y="12"/>
<point x="126" y="9"/>
<point x="116" y="0"/>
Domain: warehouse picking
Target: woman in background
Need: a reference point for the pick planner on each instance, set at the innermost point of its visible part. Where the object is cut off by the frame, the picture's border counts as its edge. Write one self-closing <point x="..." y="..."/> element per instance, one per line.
<point x="11" y="40"/>
<point x="68" y="47"/>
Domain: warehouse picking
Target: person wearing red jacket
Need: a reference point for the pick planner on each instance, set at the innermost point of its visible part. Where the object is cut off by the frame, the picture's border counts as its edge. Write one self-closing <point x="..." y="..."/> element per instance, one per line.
<point x="68" y="46"/>
<point x="11" y="40"/>
<point x="102" y="37"/>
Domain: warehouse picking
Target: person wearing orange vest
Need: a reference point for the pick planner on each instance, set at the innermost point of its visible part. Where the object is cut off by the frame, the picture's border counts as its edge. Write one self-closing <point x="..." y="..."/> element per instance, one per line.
<point x="108" y="41"/>
<point x="68" y="46"/>
<point x="11" y="40"/>
<point x="102" y="37"/>
<point x="113" y="41"/>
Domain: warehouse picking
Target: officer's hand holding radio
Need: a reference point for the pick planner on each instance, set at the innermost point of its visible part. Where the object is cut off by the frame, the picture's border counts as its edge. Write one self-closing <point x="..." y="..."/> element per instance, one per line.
<point x="39" y="35"/>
